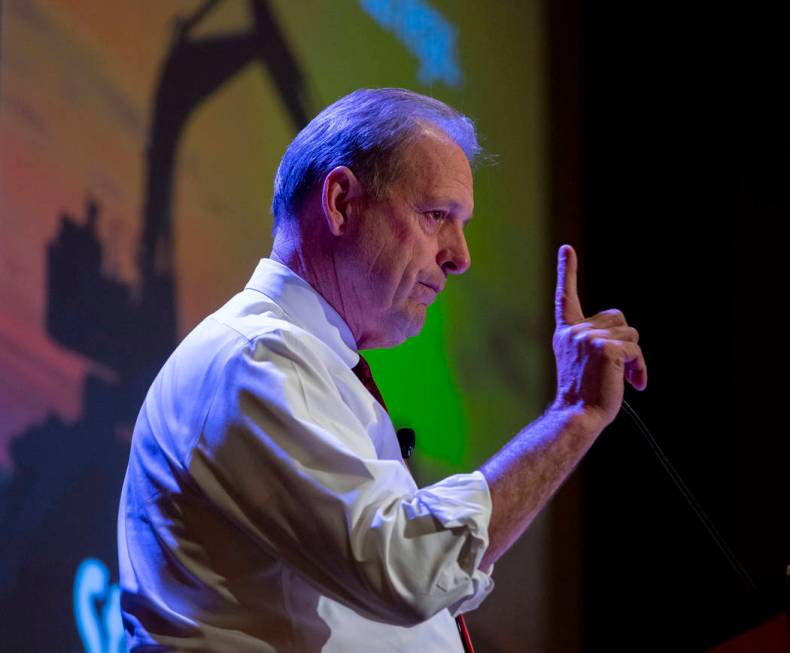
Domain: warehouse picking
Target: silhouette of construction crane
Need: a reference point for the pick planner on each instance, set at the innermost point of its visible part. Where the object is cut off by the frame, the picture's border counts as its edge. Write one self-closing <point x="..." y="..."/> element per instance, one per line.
<point x="135" y="337"/>
<point x="194" y="70"/>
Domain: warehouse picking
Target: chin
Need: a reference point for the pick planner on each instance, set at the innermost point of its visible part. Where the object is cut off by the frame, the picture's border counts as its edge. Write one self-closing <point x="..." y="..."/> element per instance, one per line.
<point x="403" y="327"/>
<point x="416" y="324"/>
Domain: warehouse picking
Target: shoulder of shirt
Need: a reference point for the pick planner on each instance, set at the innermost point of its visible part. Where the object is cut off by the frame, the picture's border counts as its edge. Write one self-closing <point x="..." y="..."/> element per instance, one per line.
<point x="251" y="314"/>
<point x="252" y="322"/>
<point x="249" y="329"/>
<point x="249" y="321"/>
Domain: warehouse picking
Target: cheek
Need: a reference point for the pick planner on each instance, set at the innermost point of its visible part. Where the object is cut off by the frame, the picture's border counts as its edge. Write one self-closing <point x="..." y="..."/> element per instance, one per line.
<point x="377" y="274"/>
<point x="395" y="253"/>
<point x="391" y="275"/>
<point x="393" y="248"/>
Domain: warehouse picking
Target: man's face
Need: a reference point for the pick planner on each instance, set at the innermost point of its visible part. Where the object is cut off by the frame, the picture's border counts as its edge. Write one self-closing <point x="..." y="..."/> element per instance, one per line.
<point x="407" y="243"/>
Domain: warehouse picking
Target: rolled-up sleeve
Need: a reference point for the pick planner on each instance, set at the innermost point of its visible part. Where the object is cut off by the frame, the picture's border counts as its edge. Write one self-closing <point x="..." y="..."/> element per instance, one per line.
<point x="285" y="458"/>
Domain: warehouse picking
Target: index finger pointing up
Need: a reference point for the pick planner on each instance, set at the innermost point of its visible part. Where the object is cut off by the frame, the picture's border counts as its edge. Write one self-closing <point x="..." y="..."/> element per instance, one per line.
<point x="567" y="308"/>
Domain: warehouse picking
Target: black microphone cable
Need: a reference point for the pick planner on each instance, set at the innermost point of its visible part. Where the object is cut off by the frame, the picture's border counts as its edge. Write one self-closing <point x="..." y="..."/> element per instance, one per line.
<point x="689" y="497"/>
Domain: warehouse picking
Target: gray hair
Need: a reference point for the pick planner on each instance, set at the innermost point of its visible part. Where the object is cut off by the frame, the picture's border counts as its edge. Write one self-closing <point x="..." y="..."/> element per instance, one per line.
<point x="365" y="131"/>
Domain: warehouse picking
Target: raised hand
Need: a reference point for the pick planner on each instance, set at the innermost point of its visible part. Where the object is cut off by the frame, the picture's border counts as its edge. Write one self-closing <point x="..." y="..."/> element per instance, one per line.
<point x="593" y="355"/>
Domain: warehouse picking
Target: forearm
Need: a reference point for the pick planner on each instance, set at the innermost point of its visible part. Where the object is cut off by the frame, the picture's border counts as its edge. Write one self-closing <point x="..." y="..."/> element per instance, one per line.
<point x="594" y="355"/>
<point x="528" y="470"/>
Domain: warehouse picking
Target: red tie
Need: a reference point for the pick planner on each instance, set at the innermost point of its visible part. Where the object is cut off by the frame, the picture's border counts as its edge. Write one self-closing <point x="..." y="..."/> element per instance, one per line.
<point x="362" y="370"/>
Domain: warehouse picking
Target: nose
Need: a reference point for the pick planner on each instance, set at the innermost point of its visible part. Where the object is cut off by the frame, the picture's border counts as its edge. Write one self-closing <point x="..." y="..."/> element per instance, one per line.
<point x="453" y="256"/>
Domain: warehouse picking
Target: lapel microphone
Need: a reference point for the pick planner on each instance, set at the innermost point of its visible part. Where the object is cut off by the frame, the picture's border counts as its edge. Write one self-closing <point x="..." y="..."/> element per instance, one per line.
<point x="407" y="440"/>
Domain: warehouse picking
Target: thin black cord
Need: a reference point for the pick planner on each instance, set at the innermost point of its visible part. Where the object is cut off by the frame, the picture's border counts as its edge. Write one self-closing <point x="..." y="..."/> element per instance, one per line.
<point x="689" y="497"/>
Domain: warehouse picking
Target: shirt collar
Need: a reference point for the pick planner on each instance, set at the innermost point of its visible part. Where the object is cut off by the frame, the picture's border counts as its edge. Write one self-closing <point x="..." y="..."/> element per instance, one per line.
<point x="305" y="306"/>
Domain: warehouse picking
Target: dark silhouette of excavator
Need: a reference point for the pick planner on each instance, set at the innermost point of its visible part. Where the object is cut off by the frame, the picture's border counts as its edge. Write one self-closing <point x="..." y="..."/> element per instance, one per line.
<point x="61" y="503"/>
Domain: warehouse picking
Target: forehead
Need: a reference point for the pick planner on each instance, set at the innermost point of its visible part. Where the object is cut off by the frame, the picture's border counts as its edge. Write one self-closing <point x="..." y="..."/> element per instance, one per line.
<point x="436" y="168"/>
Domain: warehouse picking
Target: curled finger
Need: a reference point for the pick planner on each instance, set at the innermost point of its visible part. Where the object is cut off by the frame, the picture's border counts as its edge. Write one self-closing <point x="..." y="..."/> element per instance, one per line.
<point x="636" y="368"/>
<point x="618" y="333"/>
<point x="606" y="319"/>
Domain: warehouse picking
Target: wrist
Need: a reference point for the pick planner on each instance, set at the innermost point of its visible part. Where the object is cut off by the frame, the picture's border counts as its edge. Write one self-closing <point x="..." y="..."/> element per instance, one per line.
<point x="578" y="417"/>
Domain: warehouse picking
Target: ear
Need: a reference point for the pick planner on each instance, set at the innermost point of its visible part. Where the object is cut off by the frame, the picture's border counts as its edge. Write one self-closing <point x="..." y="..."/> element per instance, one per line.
<point x="340" y="193"/>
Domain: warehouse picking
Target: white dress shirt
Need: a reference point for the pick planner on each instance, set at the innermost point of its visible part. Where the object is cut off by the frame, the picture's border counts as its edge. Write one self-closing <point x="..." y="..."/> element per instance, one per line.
<point x="266" y="506"/>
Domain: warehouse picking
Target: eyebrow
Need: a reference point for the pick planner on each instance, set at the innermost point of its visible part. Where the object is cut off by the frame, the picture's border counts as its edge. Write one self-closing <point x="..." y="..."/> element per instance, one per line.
<point x="456" y="207"/>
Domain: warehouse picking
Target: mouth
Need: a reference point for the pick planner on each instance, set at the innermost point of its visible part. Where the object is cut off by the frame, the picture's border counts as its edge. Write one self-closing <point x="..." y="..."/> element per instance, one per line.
<point x="424" y="297"/>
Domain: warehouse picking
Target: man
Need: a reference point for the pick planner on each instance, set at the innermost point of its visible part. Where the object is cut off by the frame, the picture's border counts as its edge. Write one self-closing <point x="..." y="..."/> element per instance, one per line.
<point x="266" y="506"/>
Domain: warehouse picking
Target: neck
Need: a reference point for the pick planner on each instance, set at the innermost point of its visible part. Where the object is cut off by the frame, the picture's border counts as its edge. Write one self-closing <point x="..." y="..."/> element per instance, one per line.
<point x="296" y="246"/>
<point x="288" y="250"/>
<point x="301" y="248"/>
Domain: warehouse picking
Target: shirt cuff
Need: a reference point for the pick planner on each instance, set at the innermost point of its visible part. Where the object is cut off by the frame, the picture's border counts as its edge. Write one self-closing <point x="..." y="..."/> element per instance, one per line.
<point x="464" y="501"/>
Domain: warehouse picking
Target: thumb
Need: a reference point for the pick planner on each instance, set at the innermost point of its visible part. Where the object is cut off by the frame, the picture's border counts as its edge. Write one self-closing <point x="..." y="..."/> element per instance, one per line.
<point x="567" y="308"/>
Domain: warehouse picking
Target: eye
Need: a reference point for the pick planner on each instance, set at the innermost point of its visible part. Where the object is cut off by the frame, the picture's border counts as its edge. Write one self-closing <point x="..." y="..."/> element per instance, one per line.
<point x="436" y="215"/>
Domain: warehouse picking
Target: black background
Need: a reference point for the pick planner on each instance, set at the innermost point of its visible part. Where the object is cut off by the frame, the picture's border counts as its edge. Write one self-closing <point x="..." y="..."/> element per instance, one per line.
<point x="646" y="160"/>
